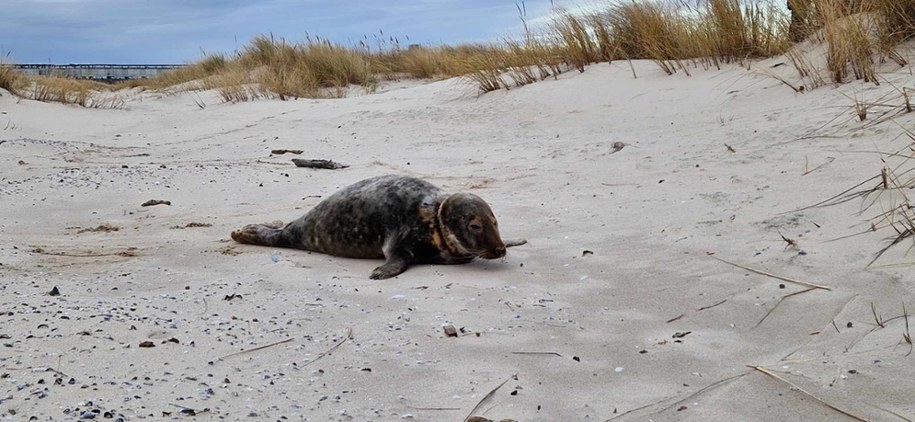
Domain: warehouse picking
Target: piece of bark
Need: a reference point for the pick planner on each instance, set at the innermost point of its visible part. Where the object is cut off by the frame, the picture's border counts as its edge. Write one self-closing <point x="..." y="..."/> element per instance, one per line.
<point x="152" y="202"/>
<point x="318" y="164"/>
<point x="286" y="151"/>
<point x="450" y="331"/>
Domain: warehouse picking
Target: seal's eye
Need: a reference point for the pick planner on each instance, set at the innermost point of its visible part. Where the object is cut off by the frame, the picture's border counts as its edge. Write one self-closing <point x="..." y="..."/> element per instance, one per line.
<point x="475" y="227"/>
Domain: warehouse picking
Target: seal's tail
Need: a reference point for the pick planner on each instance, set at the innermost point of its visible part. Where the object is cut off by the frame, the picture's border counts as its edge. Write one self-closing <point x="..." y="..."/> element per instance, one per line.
<point x="270" y="234"/>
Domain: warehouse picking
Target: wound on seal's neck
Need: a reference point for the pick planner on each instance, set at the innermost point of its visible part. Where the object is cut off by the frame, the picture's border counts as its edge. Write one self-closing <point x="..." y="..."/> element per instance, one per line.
<point x="443" y="238"/>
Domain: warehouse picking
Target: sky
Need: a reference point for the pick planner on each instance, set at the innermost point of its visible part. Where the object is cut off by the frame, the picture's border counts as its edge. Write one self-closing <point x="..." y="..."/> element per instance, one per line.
<point x="181" y="31"/>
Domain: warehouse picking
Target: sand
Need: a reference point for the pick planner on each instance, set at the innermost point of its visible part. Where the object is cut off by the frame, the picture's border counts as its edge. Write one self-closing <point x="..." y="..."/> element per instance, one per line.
<point x="615" y="309"/>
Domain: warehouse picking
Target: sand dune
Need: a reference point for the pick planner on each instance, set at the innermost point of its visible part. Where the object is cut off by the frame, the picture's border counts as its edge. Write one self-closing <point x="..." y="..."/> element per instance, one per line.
<point x="614" y="309"/>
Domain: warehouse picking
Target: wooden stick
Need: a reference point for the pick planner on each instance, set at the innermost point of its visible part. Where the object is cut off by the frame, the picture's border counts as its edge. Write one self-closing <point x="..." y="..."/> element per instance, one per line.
<point x="790" y="280"/>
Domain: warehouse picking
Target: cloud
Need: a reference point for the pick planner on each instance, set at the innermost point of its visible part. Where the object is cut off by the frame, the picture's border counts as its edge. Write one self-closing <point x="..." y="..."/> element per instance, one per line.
<point x="165" y="31"/>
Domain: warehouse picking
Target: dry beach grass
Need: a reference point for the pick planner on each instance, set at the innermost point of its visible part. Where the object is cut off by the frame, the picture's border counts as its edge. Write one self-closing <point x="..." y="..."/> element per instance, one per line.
<point x="676" y="35"/>
<point x="707" y="247"/>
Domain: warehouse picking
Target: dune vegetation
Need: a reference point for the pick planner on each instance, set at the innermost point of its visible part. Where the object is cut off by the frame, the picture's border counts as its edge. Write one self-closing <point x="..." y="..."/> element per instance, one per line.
<point x="679" y="36"/>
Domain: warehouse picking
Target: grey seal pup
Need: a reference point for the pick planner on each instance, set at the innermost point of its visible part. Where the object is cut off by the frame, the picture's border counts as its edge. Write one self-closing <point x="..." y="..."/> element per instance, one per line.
<point x="402" y="219"/>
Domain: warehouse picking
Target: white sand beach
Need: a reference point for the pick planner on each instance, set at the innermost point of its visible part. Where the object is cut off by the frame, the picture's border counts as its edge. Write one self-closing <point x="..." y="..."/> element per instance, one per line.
<point x="617" y="308"/>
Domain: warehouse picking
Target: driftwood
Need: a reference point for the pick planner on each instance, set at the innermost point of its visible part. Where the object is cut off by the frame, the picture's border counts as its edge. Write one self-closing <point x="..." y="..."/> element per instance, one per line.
<point x="286" y="151"/>
<point x="318" y="164"/>
<point x="153" y="202"/>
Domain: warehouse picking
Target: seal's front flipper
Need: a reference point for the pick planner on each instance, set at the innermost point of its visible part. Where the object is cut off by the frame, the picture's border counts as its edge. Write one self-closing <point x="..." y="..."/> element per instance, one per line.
<point x="393" y="267"/>
<point x="398" y="256"/>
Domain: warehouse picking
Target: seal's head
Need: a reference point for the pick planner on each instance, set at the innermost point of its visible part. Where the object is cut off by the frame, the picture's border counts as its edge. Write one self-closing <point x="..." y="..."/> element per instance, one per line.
<point x="469" y="227"/>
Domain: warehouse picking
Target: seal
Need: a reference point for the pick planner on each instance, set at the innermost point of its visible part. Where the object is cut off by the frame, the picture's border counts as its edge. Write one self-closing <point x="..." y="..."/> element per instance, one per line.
<point x="402" y="219"/>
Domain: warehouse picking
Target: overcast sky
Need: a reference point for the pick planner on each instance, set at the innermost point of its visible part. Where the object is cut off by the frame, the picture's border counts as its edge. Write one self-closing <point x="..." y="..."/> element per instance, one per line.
<point x="177" y="31"/>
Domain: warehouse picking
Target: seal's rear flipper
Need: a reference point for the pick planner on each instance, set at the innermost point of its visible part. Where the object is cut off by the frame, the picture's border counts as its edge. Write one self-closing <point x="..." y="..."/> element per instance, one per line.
<point x="270" y="234"/>
<point x="514" y="242"/>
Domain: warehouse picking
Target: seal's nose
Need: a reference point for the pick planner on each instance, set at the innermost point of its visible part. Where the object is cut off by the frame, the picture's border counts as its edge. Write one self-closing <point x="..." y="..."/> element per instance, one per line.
<point x="499" y="251"/>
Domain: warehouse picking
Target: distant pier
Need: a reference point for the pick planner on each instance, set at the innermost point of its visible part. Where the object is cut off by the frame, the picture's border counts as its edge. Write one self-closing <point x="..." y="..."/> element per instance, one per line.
<point x="98" y="72"/>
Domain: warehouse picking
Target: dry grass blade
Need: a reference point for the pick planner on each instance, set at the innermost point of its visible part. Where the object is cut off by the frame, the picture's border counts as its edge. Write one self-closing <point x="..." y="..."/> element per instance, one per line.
<point x="488" y="396"/>
<point x="810" y="75"/>
<point x="798" y="388"/>
<point x="674" y="400"/>
<point x="875" y="328"/>
<point x="908" y="334"/>
<point x="256" y="348"/>
<point x="431" y="408"/>
<point x="861" y="110"/>
<point x="704" y="389"/>
<point x="537" y="353"/>
<point x="347" y="337"/>
<point x="828" y="161"/>
<point x="631" y="411"/>
<point x="890" y="412"/>
<point x="843" y="197"/>
<point x="711" y="306"/>
<point x="767" y="274"/>
<point x="900" y="218"/>
<point x="780" y="302"/>
<point x="901" y="235"/>
<point x="877" y="319"/>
